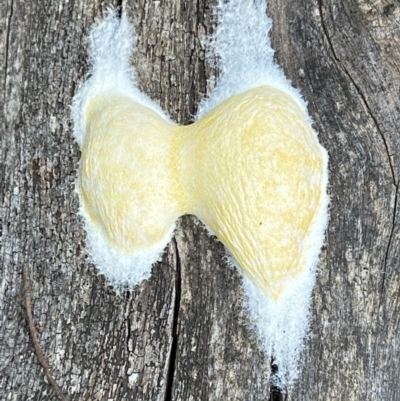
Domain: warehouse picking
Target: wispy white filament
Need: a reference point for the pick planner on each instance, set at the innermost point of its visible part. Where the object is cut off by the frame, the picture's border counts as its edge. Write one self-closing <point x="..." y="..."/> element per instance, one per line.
<point x="110" y="47"/>
<point x="241" y="46"/>
<point x="244" y="56"/>
<point x="243" y="53"/>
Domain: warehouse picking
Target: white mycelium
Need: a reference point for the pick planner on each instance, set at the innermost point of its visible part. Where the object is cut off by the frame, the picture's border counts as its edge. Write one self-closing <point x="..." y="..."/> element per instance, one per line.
<point x="250" y="168"/>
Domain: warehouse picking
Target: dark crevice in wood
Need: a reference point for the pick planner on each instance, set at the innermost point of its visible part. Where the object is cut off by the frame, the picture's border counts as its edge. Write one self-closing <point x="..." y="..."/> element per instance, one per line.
<point x="119" y="8"/>
<point x="34" y="335"/>
<point x="276" y="392"/>
<point x="7" y="46"/>
<point x="364" y="100"/>
<point x="174" y="346"/>
<point x="128" y="323"/>
<point x="389" y="242"/>
<point x="128" y="333"/>
<point x="358" y="89"/>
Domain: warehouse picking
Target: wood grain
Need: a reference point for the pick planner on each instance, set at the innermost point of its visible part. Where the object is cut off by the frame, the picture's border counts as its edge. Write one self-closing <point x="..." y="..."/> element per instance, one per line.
<point x="323" y="46"/>
<point x="182" y="335"/>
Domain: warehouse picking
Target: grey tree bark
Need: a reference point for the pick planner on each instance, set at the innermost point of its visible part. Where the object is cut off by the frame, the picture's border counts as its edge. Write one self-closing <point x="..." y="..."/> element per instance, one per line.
<point x="182" y="334"/>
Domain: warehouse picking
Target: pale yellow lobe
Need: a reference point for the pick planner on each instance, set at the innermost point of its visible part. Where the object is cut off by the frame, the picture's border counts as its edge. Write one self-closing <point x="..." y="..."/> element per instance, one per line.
<point x="252" y="170"/>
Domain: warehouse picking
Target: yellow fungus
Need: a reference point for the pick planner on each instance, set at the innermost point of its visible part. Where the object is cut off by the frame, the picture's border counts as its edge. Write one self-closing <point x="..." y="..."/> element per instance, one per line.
<point x="252" y="170"/>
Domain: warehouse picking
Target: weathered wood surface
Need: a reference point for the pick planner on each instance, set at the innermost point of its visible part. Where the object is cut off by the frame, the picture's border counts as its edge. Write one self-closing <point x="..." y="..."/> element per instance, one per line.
<point x="345" y="57"/>
<point x="183" y="335"/>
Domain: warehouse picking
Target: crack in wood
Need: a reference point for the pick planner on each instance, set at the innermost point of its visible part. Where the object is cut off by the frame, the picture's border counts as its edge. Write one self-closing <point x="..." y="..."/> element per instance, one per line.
<point x="7" y="47"/>
<point x="364" y="100"/>
<point x="358" y="89"/>
<point x="389" y="242"/>
<point x="128" y="333"/>
<point x="119" y="8"/>
<point x="276" y="392"/>
<point x="175" y="335"/>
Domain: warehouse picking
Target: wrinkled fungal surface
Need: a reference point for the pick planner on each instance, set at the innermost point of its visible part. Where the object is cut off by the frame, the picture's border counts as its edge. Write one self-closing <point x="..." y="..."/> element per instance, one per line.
<point x="250" y="168"/>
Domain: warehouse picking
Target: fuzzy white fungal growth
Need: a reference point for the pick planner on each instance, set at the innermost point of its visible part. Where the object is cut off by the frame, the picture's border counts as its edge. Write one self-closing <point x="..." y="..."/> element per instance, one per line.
<point x="110" y="47"/>
<point x="140" y="171"/>
<point x="242" y="48"/>
<point x="245" y="60"/>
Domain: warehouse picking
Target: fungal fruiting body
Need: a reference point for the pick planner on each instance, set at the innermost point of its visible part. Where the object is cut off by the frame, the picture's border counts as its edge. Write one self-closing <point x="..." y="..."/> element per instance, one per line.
<point x="250" y="168"/>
